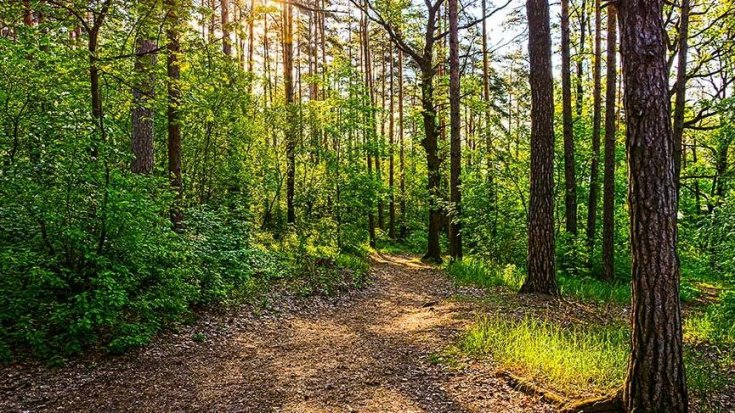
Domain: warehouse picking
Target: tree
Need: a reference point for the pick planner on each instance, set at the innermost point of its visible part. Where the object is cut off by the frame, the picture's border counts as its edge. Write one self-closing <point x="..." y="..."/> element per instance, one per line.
<point x="174" y="101"/>
<point x="287" y="36"/>
<point x="225" y="16"/>
<point x="596" y="121"/>
<point x="570" y="179"/>
<point x="655" y="380"/>
<point x="680" y="88"/>
<point x="142" y="113"/>
<point x="608" y="199"/>
<point x="541" y="267"/>
<point x="455" y="226"/>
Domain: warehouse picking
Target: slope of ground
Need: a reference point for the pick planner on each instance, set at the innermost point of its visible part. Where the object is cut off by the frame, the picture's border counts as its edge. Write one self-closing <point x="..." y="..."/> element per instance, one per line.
<point x="367" y="351"/>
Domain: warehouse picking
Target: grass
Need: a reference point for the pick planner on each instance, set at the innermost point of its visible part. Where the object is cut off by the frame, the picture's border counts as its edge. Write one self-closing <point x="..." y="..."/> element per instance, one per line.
<point x="576" y="361"/>
<point x="572" y="361"/>
<point x="473" y="271"/>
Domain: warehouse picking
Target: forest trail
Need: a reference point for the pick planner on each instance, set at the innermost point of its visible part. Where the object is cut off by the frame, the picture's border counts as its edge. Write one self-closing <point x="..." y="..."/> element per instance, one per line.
<point x="368" y="351"/>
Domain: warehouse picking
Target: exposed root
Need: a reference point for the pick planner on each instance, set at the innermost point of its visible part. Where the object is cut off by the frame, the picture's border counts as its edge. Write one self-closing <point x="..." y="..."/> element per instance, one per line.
<point x="612" y="403"/>
<point x="530" y="388"/>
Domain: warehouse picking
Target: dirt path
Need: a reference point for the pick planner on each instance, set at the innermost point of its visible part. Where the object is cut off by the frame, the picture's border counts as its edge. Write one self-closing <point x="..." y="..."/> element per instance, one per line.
<point x="367" y="352"/>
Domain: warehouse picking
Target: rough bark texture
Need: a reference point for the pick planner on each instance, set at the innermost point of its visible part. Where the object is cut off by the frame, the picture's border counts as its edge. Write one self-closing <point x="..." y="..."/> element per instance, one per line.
<point x="570" y="178"/>
<point x="142" y="113"/>
<point x="608" y="199"/>
<point x="174" y="99"/>
<point x="655" y="381"/>
<point x="596" y="123"/>
<point x="541" y="269"/>
<point x="455" y="197"/>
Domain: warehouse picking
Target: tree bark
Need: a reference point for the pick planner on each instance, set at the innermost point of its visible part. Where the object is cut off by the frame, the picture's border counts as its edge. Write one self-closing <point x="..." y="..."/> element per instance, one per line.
<point x="608" y="201"/>
<point x="174" y="101"/>
<point x="655" y="380"/>
<point x="596" y="123"/>
<point x="541" y="267"/>
<point x="570" y="179"/>
<point x="455" y="197"/>
<point x="142" y="113"/>
<point x="291" y="121"/>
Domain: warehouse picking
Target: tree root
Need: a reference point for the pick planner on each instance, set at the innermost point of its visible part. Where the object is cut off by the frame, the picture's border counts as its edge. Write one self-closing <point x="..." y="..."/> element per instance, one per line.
<point x="612" y="403"/>
<point x="530" y="388"/>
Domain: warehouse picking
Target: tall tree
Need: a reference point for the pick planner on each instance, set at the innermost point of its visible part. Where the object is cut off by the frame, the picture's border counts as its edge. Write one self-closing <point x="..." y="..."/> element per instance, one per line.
<point x="594" y="194"/>
<point x="608" y="199"/>
<point x="391" y="149"/>
<point x="173" y="114"/>
<point x="424" y="58"/>
<point x="291" y="128"/>
<point x="142" y="113"/>
<point x="655" y="380"/>
<point x="541" y="267"/>
<point x="455" y="226"/>
<point x="570" y="179"/>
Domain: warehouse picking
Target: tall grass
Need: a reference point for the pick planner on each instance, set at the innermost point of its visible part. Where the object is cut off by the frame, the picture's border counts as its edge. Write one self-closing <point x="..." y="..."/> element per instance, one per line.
<point x="575" y="361"/>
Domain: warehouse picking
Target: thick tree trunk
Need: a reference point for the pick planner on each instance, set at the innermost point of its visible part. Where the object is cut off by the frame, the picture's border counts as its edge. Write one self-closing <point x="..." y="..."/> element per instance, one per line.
<point x="541" y="268"/>
<point x="433" y="163"/>
<point x="142" y="113"/>
<point x="655" y="381"/>
<point x="608" y="201"/>
<point x="455" y="197"/>
<point x="291" y="126"/>
<point x="681" y="88"/>
<point x="596" y="123"/>
<point x="570" y="178"/>
<point x="174" y="101"/>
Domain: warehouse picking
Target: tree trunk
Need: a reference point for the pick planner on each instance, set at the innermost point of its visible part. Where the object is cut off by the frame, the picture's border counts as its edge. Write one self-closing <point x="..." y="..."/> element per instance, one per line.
<point x="596" y="123"/>
<point x="580" y="59"/>
<point x="402" y="148"/>
<point x="570" y="179"/>
<point x="655" y="380"/>
<point x="608" y="201"/>
<point x="142" y="113"/>
<point x="291" y="121"/>
<point x="174" y="101"/>
<point x="433" y="163"/>
<point x="541" y="268"/>
<point x="225" y="15"/>
<point x="391" y="160"/>
<point x="681" y="88"/>
<point x="455" y="197"/>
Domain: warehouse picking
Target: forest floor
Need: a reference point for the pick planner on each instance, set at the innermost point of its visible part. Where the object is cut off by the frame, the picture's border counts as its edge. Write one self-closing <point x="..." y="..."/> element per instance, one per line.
<point x="371" y="350"/>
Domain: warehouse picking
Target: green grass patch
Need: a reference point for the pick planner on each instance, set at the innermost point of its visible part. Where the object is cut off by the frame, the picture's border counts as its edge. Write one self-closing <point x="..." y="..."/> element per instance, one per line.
<point x="484" y="274"/>
<point x="574" y="360"/>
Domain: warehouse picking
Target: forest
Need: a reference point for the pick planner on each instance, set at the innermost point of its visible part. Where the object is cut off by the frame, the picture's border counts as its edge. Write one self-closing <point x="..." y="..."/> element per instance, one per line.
<point x="367" y="205"/>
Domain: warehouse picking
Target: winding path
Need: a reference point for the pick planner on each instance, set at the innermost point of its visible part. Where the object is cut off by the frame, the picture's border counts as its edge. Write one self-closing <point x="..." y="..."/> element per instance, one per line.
<point x="369" y="351"/>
